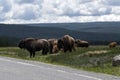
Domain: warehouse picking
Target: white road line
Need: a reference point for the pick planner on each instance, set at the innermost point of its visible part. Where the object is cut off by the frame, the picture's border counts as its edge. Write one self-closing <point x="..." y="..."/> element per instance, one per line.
<point x="62" y="71"/>
<point x="25" y="63"/>
<point x="28" y="64"/>
<point x="90" y="77"/>
<point x="87" y="76"/>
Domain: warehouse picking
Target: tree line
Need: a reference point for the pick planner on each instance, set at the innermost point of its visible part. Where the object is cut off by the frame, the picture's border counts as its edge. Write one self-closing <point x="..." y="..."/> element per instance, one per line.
<point x="12" y="41"/>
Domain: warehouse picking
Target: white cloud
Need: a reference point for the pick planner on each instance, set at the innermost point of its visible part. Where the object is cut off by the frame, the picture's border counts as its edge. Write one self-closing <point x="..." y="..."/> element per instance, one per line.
<point x="20" y="11"/>
<point x="116" y="10"/>
<point x="95" y="8"/>
<point x="25" y="12"/>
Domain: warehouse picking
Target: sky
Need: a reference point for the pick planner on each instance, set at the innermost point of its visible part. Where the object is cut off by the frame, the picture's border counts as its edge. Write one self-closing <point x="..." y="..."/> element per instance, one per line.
<point x="58" y="11"/>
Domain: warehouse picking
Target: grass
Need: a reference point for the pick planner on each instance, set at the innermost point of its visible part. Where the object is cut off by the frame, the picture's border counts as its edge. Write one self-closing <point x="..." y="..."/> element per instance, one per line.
<point x="94" y="58"/>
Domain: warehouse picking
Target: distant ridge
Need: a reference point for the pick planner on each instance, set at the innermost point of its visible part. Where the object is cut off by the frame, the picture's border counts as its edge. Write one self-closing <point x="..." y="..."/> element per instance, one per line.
<point x="95" y="33"/>
<point x="88" y="31"/>
<point x="101" y="27"/>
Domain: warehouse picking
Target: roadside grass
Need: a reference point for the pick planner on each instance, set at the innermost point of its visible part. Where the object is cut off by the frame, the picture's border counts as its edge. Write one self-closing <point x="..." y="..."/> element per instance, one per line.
<point x="94" y="58"/>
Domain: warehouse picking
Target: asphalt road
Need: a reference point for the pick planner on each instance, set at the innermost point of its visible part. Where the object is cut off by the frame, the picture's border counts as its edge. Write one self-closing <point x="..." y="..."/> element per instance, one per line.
<point x="16" y="69"/>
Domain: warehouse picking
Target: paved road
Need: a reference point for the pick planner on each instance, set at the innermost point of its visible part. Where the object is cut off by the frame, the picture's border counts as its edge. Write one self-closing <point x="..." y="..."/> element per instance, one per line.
<point x="15" y="69"/>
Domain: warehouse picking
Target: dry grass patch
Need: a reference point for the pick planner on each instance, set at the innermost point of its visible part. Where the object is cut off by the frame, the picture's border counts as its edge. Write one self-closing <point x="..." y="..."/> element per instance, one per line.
<point x="96" y="52"/>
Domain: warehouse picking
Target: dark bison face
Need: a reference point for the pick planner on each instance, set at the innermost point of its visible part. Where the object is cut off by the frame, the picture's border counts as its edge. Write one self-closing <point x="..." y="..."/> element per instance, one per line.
<point x="60" y="43"/>
<point x="21" y="44"/>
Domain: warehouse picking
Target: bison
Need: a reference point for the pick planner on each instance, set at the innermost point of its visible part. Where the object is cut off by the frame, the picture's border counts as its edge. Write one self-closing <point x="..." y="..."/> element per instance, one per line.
<point x="112" y="44"/>
<point x="53" y="45"/>
<point x="55" y="48"/>
<point x="81" y="43"/>
<point x="33" y="45"/>
<point x="67" y="43"/>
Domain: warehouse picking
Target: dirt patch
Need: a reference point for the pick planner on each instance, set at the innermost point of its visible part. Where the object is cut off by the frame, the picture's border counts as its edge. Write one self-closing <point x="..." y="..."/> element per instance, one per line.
<point x="96" y="52"/>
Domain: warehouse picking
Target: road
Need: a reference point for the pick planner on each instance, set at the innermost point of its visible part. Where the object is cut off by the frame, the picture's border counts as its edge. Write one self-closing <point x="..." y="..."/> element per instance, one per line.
<point x="16" y="69"/>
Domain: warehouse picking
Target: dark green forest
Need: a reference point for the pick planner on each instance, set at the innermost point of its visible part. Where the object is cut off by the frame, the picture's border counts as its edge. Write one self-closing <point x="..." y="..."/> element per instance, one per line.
<point x="99" y="33"/>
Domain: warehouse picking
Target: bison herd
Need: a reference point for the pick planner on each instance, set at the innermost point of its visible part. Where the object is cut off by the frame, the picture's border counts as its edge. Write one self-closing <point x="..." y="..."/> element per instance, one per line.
<point x="65" y="43"/>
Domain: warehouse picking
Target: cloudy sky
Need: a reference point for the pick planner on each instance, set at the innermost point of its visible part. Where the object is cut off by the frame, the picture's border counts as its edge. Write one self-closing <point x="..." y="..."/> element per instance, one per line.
<point x="52" y="11"/>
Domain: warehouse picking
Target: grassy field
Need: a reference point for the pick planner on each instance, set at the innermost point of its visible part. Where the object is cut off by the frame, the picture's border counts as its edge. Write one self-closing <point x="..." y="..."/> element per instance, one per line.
<point x="94" y="58"/>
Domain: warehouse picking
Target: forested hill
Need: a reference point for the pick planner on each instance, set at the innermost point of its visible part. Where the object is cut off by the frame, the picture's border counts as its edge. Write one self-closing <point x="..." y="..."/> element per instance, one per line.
<point x="15" y="32"/>
<point x="23" y="31"/>
<point x="101" y="27"/>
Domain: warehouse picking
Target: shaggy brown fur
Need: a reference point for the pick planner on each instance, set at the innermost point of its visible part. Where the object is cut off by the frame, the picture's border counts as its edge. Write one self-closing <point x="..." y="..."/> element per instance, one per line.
<point x="112" y="44"/>
<point x="52" y="45"/>
<point x="67" y="43"/>
<point x="33" y="45"/>
<point x="81" y="43"/>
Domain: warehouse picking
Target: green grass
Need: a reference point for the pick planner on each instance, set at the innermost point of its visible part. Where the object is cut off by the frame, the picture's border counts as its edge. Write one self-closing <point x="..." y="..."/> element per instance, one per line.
<point x="83" y="58"/>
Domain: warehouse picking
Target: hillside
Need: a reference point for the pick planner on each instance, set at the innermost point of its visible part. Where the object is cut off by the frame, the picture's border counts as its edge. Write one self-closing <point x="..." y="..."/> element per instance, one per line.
<point x="100" y="27"/>
<point x="23" y="31"/>
<point x="99" y="35"/>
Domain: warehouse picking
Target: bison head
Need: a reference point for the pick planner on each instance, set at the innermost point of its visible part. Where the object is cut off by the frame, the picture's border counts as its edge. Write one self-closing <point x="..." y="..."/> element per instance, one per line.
<point x="21" y="44"/>
<point x="60" y="44"/>
<point x="25" y="43"/>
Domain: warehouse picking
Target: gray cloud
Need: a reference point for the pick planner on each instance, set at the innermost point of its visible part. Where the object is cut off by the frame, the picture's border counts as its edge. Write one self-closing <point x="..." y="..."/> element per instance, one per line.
<point x="2" y="18"/>
<point x="83" y="1"/>
<point x="26" y="12"/>
<point x="5" y="6"/>
<point x="26" y="15"/>
<point x="112" y="2"/>
<point x="24" y="1"/>
<point x="68" y="11"/>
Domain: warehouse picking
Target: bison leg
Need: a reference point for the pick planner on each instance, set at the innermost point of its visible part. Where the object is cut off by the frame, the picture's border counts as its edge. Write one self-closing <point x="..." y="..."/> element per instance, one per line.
<point x="74" y="48"/>
<point x="30" y="54"/>
<point x="51" y="48"/>
<point x="33" y="54"/>
<point x="65" y="50"/>
<point x="43" y="52"/>
<point x="70" y="49"/>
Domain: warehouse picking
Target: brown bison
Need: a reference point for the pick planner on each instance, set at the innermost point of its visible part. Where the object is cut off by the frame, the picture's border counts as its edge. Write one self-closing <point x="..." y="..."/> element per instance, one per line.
<point x="81" y="43"/>
<point x="112" y="44"/>
<point x="55" y="48"/>
<point x="67" y="43"/>
<point x="33" y="45"/>
<point x="53" y="45"/>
